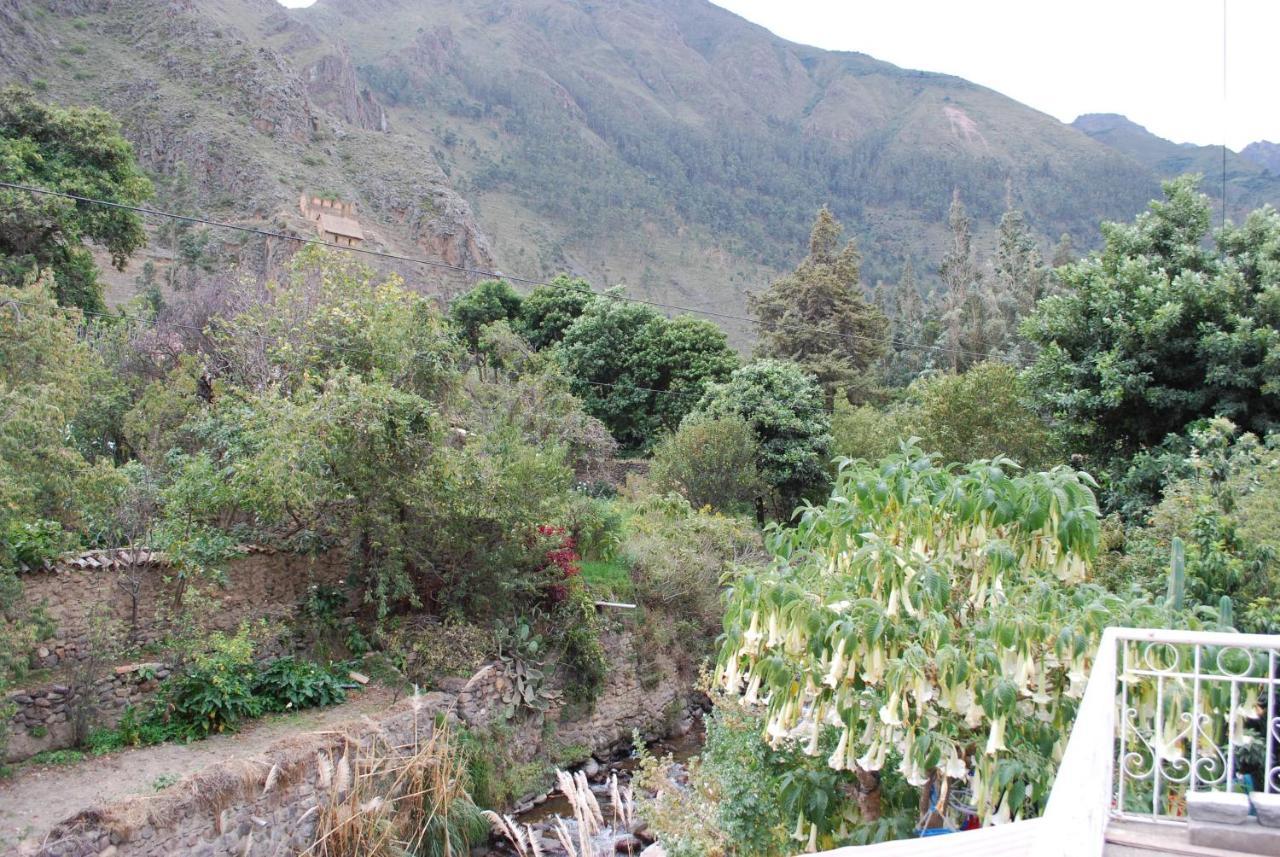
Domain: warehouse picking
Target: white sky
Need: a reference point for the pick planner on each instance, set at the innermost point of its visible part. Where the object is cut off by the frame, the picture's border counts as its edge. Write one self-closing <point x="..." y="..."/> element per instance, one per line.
<point x="1159" y="62"/>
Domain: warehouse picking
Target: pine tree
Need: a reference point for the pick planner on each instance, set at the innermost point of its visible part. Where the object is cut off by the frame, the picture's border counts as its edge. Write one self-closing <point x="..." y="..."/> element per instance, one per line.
<point x="973" y="326"/>
<point x="817" y="315"/>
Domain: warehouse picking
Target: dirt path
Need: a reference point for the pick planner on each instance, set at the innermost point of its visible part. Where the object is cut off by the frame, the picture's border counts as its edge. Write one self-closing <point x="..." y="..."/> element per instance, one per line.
<point x="36" y="798"/>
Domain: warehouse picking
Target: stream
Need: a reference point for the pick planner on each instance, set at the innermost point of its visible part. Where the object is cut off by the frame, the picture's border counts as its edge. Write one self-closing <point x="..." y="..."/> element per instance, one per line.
<point x="610" y="839"/>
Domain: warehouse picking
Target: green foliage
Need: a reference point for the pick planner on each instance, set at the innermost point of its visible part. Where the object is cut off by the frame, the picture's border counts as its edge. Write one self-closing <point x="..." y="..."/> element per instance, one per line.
<point x="214" y="692"/>
<point x="711" y="462"/>
<point x="220" y="687"/>
<point x="929" y="610"/>
<point x="581" y="652"/>
<point x="78" y="151"/>
<point x="1213" y="533"/>
<point x="55" y="758"/>
<point x="489" y="301"/>
<point x="981" y="413"/>
<point x="330" y="314"/>
<point x="1158" y="329"/>
<point x="817" y="316"/>
<point x="639" y="372"/>
<point x="550" y="310"/>
<point x="290" y="684"/>
<point x="680" y="558"/>
<point x="784" y="407"/>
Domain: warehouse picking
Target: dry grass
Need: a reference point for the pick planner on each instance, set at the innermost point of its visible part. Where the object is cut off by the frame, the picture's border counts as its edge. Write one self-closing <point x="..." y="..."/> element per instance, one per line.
<point x="389" y="801"/>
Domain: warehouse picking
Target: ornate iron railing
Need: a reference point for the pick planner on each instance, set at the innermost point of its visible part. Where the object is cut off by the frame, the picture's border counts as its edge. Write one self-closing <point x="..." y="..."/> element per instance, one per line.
<point x="1164" y="713"/>
<point x="1196" y="712"/>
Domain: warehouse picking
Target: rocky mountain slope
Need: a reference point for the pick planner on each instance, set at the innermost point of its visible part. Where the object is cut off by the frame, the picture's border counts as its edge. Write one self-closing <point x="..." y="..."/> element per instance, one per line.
<point x="1265" y="154"/>
<point x="198" y="91"/>
<point x="1248" y="183"/>
<point x="667" y="144"/>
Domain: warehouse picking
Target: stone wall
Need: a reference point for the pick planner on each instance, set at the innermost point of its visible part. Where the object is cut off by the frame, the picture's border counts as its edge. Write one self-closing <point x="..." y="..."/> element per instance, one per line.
<point x="75" y="593"/>
<point x="269" y="804"/>
<point x="44" y="718"/>
<point x="81" y="591"/>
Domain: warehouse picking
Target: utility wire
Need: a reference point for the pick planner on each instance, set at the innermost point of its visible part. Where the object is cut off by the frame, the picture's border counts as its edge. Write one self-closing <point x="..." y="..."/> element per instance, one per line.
<point x="480" y="272"/>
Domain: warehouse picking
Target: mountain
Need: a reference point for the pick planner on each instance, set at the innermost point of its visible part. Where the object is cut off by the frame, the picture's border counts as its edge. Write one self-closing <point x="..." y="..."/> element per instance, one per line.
<point x="1265" y="154"/>
<point x="200" y="94"/>
<point x="666" y="144"/>
<point x="1248" y="183"/>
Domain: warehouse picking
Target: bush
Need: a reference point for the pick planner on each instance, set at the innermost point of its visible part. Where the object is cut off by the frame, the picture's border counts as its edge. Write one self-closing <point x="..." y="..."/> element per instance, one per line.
<point x="214" y="692"/>
<point x="785" y="408"/>
<point x="711" y="462"/>
<point x="868" y="432"/>
<point x="680" y="556"/>
<point x="288" y="683"/>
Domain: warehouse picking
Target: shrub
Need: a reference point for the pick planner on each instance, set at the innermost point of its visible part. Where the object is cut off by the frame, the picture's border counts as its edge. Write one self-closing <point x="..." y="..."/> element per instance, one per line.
<point x="288" y="683"/>
<point x="214" y="692"/>
<point x="711" y="462"/>
<point x="679" y="557"/>
<point x="784" y="406"/>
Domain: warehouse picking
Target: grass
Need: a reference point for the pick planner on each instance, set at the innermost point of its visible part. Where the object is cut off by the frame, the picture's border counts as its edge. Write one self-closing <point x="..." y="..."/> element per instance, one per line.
<point x="608" y="577"/>
<point x="57" y="757"/>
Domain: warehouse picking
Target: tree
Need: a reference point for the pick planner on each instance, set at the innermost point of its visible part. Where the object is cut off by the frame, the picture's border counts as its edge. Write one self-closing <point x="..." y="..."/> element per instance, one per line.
<point x="914" y="333"/>
<point x="933" y="620"/>
<point x="1019" y="280"/>
<point x="44" y="387"/>
<point x="489" y="301"/>
<point x="817" y="316"/>
<point x="784" y="406"/>
<point x="328" y="312"/>
<point x="638" y="372"/>
<point x="550" y="309"/>
<point x="1159" y="329"/>
<point x="711" y="462"/>
<point x="973" y="325"/>
<point x="78" y="151"/>
<point x="690" y="353"/>
<point x="983" y="413"/>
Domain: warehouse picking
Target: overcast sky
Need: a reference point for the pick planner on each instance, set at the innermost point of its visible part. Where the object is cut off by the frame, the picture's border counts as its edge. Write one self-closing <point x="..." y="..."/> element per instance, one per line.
<point x="1159" y="62"/>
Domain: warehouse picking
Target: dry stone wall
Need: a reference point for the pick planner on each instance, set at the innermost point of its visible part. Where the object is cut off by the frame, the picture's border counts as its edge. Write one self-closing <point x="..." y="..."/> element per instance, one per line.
<point x="269" y="804"/>
<point x="78" y="592"/>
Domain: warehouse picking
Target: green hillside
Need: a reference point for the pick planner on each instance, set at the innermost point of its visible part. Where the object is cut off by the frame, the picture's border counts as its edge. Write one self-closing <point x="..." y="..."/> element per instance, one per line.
<point x="666" y="144"/>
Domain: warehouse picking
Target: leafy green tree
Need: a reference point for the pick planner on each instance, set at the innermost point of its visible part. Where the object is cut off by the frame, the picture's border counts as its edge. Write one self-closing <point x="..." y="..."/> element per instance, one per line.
<point x="784" y="406"/>
<point x="818" y="317"/>
<point x="690" y="353"/>
<point x="638" y="372"/>
<point x="489" y="301"/>
<point x="711" y="463"/>
<point x="78" y="151"/>
<point x="549" y="310"/>
<point x="980" y="414"/>
<point x="914" y="332"/>
<point x="330" y="312"/>
<point x="45" y="372"/>
<point x="1159" y="328"/>
<point x="931" y="619"/>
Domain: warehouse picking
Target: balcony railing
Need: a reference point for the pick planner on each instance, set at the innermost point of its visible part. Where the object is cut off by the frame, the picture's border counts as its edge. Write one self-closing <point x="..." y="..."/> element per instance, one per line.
<point x="1164" y="713"/>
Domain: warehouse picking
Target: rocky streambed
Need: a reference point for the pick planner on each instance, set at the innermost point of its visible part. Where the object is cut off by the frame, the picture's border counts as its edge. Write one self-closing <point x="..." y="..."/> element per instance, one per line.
<point x="615" y="836"/>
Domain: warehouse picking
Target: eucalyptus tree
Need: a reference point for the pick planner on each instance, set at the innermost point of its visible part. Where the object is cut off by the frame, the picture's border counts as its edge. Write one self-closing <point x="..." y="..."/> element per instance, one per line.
<point x="933" y="619"/>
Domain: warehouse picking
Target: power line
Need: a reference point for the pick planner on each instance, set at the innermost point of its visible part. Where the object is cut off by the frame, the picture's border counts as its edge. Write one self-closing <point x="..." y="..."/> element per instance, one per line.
<point x="481" y="272"/>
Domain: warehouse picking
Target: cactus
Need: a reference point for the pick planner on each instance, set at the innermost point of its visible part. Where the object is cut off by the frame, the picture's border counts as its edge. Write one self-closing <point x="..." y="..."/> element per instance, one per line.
<point x="1177" y="575"/>
<point x="1226" y="613"/>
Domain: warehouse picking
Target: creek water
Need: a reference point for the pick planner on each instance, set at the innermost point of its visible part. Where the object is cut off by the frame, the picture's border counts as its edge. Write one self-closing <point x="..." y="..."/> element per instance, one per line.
<point x="612" y="837"/>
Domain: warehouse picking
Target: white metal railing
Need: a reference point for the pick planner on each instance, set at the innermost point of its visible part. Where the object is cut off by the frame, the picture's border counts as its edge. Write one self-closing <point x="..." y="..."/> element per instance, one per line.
<point x="1196" y="712"/>
<point x="1164" y="713"/>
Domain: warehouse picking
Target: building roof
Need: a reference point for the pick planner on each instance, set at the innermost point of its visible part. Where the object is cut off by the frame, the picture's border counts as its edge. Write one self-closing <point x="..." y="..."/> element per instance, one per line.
<point x="338" y="225"/>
